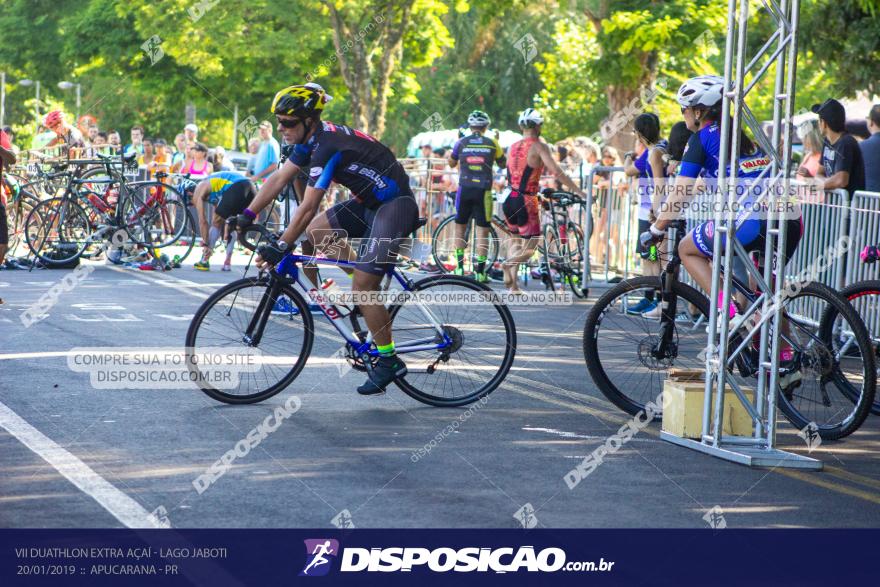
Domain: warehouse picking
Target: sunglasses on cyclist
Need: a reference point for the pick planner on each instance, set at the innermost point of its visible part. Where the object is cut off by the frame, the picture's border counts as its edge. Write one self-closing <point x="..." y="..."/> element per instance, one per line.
<point x="288" y="122"/>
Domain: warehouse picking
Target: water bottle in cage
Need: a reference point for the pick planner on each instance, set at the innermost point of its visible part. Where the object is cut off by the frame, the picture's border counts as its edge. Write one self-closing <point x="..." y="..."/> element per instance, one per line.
<point x="330" y="295"/>
<point x="98" y="203"/>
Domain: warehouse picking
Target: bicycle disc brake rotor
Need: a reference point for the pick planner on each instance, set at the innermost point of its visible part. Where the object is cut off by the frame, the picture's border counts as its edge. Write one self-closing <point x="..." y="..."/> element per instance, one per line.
<point x="817" y="360"/>
<point x="647" y="350"/>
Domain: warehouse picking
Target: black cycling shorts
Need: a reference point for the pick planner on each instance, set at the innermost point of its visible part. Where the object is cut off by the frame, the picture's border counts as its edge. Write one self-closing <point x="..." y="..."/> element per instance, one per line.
<point x="4" y="227"/>
<point x="235" y="199"/>
<point x="382" y="230"/>
<point x="473" y="202"/>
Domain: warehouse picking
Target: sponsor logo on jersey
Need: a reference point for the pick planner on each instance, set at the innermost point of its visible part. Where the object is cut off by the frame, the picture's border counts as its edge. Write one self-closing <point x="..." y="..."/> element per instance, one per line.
<point x="475" y="160"/>
<point x="316" y="171"/>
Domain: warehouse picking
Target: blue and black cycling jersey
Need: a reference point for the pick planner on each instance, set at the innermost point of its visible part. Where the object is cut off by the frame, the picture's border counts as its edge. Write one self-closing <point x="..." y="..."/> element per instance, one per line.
<point x="476" y="154"/>
<point x="701" y="159"/>
<point x="357" y="161"/>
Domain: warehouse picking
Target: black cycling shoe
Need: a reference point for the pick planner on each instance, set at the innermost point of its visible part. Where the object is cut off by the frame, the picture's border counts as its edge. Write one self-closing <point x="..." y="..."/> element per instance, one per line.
<point x="386" y="370"/>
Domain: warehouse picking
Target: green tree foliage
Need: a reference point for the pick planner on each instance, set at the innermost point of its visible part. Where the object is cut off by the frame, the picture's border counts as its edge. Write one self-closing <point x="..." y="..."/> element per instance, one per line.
<point x="399" y="67"/>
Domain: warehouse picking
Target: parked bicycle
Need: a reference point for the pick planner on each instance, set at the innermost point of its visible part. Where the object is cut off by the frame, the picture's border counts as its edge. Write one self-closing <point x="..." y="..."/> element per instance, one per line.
<point x="103" y="206"/>
<point x="457" y="352"/>
<point x="830" y="382"/>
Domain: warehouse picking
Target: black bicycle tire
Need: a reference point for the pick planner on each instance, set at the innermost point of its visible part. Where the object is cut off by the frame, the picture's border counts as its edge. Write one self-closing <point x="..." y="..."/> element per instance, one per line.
<point x="39" y="254"/>
<point x="837" y="303"/>
<point x="853" y="291"/>
<point x="591" y="351"/>
<point x="308" y="340"/>
<point x="492" y="253"/>
<point x="500" y="375"/>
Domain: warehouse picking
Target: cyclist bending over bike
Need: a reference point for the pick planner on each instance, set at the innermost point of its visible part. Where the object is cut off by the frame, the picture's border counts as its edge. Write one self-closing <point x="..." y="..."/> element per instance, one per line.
<point x="474" y="196"/>
<point x="230" y="193"/>
<point x="382" y="210"/>
<point x="526" y="161"/>
<point x="700" y="99"/>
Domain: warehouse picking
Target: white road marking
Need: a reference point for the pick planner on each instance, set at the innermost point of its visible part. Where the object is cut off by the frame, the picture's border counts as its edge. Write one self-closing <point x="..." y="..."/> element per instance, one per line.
<point x="566" y="434"/>
<point x="129" y="512"/>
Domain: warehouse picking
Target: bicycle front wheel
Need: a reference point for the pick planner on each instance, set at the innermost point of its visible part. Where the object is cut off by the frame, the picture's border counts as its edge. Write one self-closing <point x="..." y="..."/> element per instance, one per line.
<point x="154" y="214"/>
<point x="480" y="335"/>
<point x="251" y="315"/>
<point x="620" y="343"/>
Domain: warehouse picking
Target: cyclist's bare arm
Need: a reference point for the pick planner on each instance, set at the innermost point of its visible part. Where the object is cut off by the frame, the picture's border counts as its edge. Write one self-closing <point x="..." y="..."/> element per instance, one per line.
<point x="680" y="192"/>
<point x="542" y="152"/>
<point x="453" y="163"/>
<point x="273" y="186"/>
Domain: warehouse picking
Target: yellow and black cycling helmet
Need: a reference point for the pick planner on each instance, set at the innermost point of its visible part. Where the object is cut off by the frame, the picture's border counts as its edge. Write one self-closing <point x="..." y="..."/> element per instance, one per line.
<point x="304" y="101"/>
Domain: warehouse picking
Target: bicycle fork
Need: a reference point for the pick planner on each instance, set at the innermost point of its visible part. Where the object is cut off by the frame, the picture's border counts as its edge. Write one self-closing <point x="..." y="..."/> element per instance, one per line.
<point x="257" y="325"/>
<point x="665" y="347"/>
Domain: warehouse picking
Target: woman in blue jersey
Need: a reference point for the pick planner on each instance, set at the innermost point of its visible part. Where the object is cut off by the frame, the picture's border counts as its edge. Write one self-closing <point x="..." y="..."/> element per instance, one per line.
<point x="700" y="99"/>
<point x="651" y="172"/>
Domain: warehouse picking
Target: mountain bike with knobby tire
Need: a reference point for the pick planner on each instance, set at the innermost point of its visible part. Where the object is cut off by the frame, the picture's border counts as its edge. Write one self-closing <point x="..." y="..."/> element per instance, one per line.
<point x="628" y="355"/>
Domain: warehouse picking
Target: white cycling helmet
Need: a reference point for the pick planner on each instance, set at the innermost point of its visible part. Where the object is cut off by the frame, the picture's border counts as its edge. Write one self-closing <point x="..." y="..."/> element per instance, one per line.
<point x="703" y="90"/>
<point x="478" y="118"/>
<point x="530" y="118"/>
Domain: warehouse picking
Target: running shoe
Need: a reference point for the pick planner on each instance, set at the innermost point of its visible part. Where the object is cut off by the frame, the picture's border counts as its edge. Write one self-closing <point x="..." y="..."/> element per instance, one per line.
<point x="642" y="306"/>
<point x="202" y="265"/>
<point x="226" y="267"/>
<point x="283" y="305"/>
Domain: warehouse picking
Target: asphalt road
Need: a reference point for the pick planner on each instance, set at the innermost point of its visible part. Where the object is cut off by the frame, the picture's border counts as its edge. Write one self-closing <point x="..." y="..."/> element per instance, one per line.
<point x="76" y="456"/>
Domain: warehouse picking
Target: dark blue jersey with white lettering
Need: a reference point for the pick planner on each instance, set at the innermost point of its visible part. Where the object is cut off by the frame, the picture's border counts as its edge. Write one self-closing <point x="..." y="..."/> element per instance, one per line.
<point x="357" y="161"/>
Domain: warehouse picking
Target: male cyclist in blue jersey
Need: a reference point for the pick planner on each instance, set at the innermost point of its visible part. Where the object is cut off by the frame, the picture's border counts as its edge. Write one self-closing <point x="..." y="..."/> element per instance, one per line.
<point x="382" y="210"/>
<point x="700" y="99"/>
<point x="477" y="153"/>
<point x="229" y="192"/>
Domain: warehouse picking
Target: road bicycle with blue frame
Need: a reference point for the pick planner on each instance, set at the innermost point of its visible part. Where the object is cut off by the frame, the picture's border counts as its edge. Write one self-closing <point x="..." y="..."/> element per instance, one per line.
<point x="459" y="340"/>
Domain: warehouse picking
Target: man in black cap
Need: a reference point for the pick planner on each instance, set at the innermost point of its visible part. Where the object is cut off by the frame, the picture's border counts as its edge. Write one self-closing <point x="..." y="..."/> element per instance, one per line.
<point x="841" y="165"/>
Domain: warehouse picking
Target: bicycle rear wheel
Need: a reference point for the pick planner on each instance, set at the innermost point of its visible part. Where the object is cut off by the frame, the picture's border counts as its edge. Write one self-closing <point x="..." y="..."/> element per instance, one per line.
<point x="443" y="246"/>
<point x="227" y="319"/>
<point x="837" y="388"/>
<point x="482" y="335"/>
<point x="57" y="231"/>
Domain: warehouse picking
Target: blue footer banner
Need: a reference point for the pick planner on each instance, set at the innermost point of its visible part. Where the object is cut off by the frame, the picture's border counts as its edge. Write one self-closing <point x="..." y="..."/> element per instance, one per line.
<point x="437" y="557"/>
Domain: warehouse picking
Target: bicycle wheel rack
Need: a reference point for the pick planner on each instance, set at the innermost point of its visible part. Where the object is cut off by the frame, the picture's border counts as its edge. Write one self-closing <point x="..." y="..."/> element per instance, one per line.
<point x="780" y="48"/>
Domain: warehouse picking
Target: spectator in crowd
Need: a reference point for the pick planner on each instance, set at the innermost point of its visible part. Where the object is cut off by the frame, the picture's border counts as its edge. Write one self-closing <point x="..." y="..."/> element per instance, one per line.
<point x="179" y="151"/>
<point x="197" y="164"/>
<point x="65" y="133"/>
<point x="10" y="135"/>
<point x="93" y="133"/>
<point x="191" y="133"/>
<point x="841" y="166"/>
<point x="679" y="135"/>
<point x="100" y="139"/>
<point x="113" y="139"/>
<point x="137" y="141"/>
<point x="161" y="157"/>
<point x="858" y="129"/>
<point x="253" y="147"/>
<point x="871" y="151"/>
<point x="812" y="140"/>
<point x="427" y="151"/>
<point x="146" y="159"/>
<point x="268" y="154"/>
<point x="221" y="163"/>
<point x="7" y="157"/>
